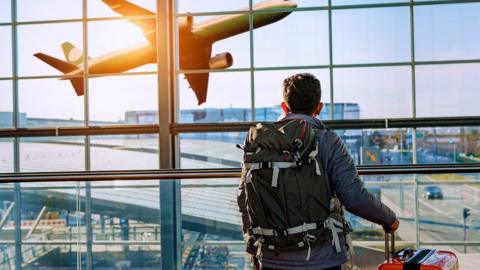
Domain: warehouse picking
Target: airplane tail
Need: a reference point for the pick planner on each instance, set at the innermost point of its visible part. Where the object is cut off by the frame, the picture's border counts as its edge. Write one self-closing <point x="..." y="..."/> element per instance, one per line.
<point x="73" y="55"/>
<point x="64" y="67"/>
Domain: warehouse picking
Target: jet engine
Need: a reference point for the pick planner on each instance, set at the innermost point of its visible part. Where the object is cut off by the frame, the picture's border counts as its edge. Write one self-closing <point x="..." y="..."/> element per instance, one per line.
<point x="221" y="61"/>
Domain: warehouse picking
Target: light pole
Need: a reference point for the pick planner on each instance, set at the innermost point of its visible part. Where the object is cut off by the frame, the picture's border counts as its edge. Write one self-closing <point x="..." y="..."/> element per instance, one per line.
<point x="466" y="214"/>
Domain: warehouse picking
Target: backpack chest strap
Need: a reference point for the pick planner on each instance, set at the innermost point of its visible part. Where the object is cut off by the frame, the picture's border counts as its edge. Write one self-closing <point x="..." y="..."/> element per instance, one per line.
<point x="276" y="166"/>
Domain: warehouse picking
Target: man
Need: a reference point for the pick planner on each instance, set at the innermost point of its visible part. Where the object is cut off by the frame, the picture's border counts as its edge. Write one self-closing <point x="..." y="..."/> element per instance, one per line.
<point x="301" y="100"/>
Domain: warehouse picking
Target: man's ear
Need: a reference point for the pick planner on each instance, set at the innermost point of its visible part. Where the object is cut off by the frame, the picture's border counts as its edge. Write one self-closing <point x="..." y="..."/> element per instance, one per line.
<point x="285" y="107"/>
<point x="319" y="108"/>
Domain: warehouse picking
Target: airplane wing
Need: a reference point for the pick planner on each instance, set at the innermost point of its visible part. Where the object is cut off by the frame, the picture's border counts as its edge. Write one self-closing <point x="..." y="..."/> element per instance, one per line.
<point x="197" y="59"/>
<point x="126" y="8"/>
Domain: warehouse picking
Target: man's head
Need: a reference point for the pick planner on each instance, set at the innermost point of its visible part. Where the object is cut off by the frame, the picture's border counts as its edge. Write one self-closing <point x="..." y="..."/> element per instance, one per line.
<point x="301" y="94"/>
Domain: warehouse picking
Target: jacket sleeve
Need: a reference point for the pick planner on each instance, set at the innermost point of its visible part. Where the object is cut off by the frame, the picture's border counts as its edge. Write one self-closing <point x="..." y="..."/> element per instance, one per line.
<point x="242" y="204"/>
<point x="348" y="186"/>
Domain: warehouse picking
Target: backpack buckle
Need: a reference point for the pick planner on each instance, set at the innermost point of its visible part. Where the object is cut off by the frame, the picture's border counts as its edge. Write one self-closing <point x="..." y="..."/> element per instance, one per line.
<point x="280" y="233"/>
<point x="266" y="165"/>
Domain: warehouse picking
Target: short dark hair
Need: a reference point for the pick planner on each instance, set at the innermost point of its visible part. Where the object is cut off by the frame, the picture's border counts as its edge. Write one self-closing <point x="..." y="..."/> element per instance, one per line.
<point x="302" y="93"/>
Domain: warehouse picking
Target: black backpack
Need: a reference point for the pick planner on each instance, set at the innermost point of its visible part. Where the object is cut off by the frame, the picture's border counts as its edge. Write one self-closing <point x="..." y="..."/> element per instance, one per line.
<point x="288" y="200"/>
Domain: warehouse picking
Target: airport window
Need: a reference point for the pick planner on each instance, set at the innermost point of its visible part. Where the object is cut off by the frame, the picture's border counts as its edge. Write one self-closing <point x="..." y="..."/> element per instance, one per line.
<point x="447" y="32"/>
<point x="124" y="152"/>
<point x="52" y="154"/>
<point x="211" y="150"/>
<point x="375" y="92"/>
<point x="6" y="106"/>
<point x="375" y="35"/>
<point x="132" y="95"/>
<point x="184" y="6"/>
<point x="29" y="37"/>
<point x="300" y="39"/>
<point x="226" y="90"/>
<point x="378" y="146"/>
<point x="122" y="36"/>
<point x="459" y="147"/>
<point x="32" y="10"/>
<point x="45" y="103"/>
<point x="6" y="155"/>
<point x="5" y="51"/>
<point x="448" y="90"/>
<point x="5" y="11"/>
<point x="97" y="8"/>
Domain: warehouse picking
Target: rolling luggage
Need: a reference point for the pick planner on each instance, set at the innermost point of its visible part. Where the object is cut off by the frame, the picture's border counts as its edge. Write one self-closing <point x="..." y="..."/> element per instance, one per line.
<point x="422" y="259"/>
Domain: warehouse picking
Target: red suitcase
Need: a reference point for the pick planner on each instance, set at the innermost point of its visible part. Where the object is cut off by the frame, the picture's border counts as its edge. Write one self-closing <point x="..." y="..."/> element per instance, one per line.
<point x="422" y="259"/>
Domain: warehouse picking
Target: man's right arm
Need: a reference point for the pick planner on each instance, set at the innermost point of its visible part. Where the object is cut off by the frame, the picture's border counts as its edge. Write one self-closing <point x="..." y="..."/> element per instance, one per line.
<point x="348" y="186"/>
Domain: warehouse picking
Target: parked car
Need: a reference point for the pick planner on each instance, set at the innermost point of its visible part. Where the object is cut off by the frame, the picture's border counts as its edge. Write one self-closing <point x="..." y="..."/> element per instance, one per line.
<point x="433" y="192"/>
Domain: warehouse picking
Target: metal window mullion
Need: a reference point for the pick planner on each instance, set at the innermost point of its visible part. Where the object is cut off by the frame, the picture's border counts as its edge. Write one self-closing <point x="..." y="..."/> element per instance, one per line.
<point x="88" y="195"/>
<point x="330" y="68"/>
<point x="17" y="195"/>
<point x="252" y="60"/>
<point x="414" y="130"/>
<point x="169" y="191"/>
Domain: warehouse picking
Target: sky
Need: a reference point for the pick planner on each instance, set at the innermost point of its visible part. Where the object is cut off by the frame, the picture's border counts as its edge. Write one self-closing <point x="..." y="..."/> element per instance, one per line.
<point x="443" y="32"/>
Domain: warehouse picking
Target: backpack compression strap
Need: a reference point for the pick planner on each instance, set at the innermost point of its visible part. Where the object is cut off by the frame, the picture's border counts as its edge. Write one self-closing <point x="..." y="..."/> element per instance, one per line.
<point x="276" y="166"/>
<point x="332" y="224"/>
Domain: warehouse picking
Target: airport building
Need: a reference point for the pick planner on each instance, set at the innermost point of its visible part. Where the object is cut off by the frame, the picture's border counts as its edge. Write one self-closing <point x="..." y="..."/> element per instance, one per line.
<point x="121" y="123"/>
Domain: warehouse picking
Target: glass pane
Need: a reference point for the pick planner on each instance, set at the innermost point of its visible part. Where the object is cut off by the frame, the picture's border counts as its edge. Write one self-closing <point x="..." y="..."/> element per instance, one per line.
<point x="5" y="51"/>
<point x="383" y="92"/>
<point x="120" y="46"/>
<point x="8" y="256"/>
<point x="52" y="37"/>
<point x="33" y="10"/>
<point x="201" y="255"/>
<point x="184" y="6"/>
<point x="60" y="219"/>
<point x="398" y="197"/>
<point x="303" y="3"/>
<point x="448" y="145"/>
<point x="215" y="214"/>
<point x="361" y="2"/>
<point x="446" y="32"/>
<point x="116" y="98"/>
<point x="97" y="8"/>
<point x="211" y="150"/>
<point x="52" y="154"/>
<point x="286" y="42"/>
<point x="143" y="256"/>
<point x="126" y="211"/>
<point x="49" y="103"/>
<point x="442" y="210"/>
<point x="124" y="152"/>
<point x="447" y="90"/>
<point x="269" y="92"/>
<point x="371" y="35"/>
<point x="5" y="10"/>
<point x="225" y="90"/>
<point x="378" y="147"/>
<point x="6" y="104"/>
<point x="6" y="155"/>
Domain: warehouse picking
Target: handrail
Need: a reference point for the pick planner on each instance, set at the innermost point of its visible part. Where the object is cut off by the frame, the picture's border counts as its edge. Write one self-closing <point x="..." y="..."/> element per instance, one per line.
<point x="178" y="128"/>
<point x="172" y="174"/>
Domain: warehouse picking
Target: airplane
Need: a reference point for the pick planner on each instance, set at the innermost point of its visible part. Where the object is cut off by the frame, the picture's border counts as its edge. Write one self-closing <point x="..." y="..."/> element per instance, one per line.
<point x="195" y="45"/>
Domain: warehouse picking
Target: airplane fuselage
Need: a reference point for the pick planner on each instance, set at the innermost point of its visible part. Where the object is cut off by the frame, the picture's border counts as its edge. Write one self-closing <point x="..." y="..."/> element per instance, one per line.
<point x="191" y="39"/>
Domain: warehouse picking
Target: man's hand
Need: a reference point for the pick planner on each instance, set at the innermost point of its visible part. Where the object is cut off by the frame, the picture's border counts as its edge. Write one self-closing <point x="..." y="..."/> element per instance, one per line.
<point x="255" y="263"/>
<point x="393" y="227"/>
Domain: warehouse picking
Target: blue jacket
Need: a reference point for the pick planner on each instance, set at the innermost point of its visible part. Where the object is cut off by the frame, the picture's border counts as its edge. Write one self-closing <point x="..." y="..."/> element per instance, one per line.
<point x="346" y="184"/>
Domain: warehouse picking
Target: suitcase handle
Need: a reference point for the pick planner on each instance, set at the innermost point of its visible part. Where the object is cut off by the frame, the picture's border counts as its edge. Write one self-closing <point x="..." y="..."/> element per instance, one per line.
<point x="389" y="247"/>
